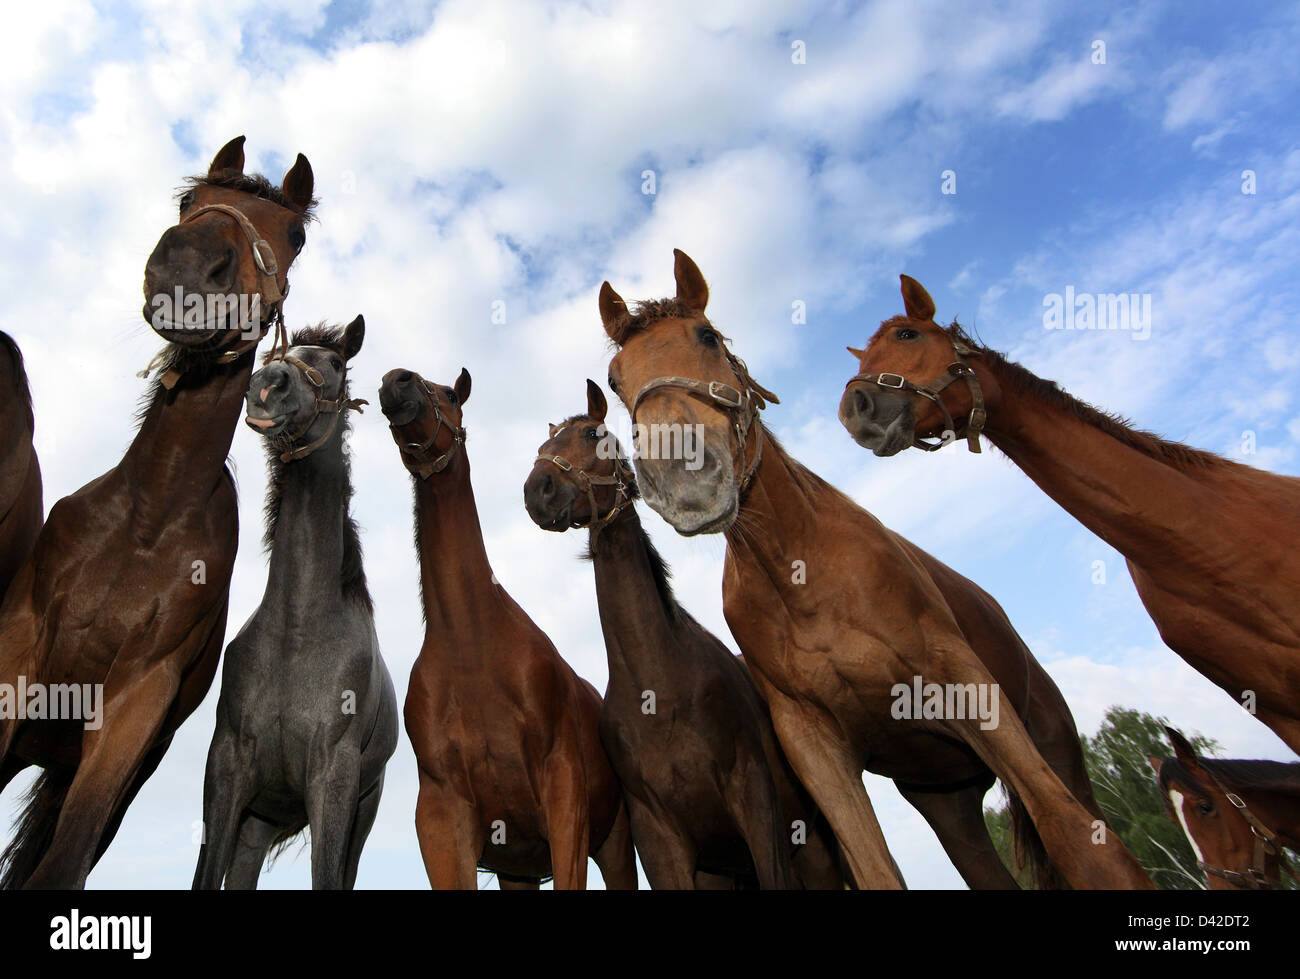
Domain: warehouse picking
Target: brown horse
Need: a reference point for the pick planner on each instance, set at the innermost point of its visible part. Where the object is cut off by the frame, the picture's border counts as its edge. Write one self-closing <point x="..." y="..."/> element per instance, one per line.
<point x="708" y="791"/>
<point x="513" y="777"/>
<point x="841" y="620"/>
<point x="1237" y="815"/>
<point x="1211" y="543"/>
<point x="125" y="593"/>
<point x="21" y="511"/>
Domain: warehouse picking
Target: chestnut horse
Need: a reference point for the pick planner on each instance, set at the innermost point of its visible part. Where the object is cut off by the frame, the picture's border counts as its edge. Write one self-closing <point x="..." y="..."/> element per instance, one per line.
<point x="1211" y="543"/>
<point x="512" y="774"/>
<point x="1237" y="815"/>
<point x="21" y="511"/>
<point x="708" y="791"/>
<point x="127" y="588"/>
<point x="840" y="619"/>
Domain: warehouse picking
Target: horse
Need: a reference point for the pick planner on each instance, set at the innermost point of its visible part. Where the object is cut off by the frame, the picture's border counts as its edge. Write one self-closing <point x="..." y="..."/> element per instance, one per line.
<point x="127" y="587"/>
<point x="512" y="775"/>
<point x="1210" y="543"/>
<point x="845" y="626"/>
<point x="21" y="510"/>
<point x="1237" y="815"/>
<point x="307" y="718"/>
<point x="708" y="792"/>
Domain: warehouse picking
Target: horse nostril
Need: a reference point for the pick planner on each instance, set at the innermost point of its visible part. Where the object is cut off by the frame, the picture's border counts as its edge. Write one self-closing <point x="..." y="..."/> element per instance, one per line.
<point x="402" y="377"/>
<point x="220" y="275"/>
<point x="861" y="403"/>
<point x="547" y="488"/>
<point x="262" y="395"/>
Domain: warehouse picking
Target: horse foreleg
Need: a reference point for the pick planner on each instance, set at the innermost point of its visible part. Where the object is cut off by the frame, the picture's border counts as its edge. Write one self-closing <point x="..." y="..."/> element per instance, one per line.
<point x="111" y="757"/>
<point x="451" y="839"/>
<point x="957" y="819"/>
<point x="255" y="837"/>
<point x="367" y="809"/>
<point x="332" y="796"/>
<point x="147" y="768"/>
<point x="568" y="824"/>
<point x="227" y="789"/>
<point x="751" y="798"/>
<point x="1080" y="846"/>
<point x="615" y="856"/>
<point x="833" y="776"/>
<point x="667" y="855"/>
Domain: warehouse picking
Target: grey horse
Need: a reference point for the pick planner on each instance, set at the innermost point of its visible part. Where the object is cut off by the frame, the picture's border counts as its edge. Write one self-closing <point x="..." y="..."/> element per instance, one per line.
<point x="307" y="717"/>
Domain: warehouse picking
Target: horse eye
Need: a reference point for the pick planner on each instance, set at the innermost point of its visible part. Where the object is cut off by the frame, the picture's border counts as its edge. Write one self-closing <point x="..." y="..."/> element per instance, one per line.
<point x="906" y="334"/>
<point x="451" y="396"/>
<point x="591" y="433"/>
<point x="708" y="337"/>
<point x="612" y="386"/>
<point x="1204" y="808"/>
<point x="336" y="363"/>
<point x="297" y="238"/>
<point x="187" y="199"/>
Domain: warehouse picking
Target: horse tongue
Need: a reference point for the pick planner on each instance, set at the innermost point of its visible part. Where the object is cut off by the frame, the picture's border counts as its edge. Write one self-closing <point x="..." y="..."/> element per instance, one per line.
<point x="261" y="422"/>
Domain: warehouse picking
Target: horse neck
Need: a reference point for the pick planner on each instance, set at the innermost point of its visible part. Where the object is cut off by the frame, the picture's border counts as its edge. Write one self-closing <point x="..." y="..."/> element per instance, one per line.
<point x="16" y="425"/>
<point x="456" y="578"/>
<point x="1279" y="811"/>
<point x="1135" y="502"/>
<point x="179" y="454"/>
<point x="636" y="622"/>
<point x="309" y="540"/>
<point x="780" y="516"/>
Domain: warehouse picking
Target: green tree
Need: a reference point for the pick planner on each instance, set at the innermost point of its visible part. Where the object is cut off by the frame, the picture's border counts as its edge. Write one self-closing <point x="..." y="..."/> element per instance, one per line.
<point x="1125" y="787"/>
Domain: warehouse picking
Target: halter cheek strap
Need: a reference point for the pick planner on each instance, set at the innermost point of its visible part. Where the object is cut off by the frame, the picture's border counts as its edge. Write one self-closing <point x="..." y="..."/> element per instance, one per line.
<point x="415" y="455"/>
<point x="1267" y="844"/>
<point x="270" y="294"/>
<point x="342" y="403"/>
<point x="621" y="479"/>
<point x="743" y="403"/>
<point x="931" y="391"/>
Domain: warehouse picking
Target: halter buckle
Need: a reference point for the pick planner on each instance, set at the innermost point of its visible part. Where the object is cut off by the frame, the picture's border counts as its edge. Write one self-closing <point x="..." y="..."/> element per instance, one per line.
<point x="898" y="381"/>
<point x="716" y="386"/>
<point x="264" y="256"/>
<point x="563" y="464"/>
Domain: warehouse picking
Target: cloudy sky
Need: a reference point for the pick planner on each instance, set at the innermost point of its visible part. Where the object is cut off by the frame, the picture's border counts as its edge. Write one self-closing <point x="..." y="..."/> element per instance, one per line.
<point x="469" y="154"/>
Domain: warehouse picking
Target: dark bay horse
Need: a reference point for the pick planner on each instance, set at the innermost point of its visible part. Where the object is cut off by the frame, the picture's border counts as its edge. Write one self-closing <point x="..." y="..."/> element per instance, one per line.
<point x="513" y="777"/>
<point x="21" y="509"/>
<point x="127" y="587"/>
<point x="1237" y="815"/>
<point x="307" y="718"/>
<point x="1212" y="544"/>
<point x="840" y="620"/>
<point x="708" y="791"/>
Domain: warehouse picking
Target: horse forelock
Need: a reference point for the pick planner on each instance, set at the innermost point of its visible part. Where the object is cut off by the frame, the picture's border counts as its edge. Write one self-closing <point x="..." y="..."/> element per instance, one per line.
<point x="253" y="184"/>
<point x="646" y="313"/>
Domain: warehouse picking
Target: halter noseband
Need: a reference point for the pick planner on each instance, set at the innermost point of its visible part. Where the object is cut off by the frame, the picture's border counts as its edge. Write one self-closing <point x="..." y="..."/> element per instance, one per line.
<point x="588" y="483"/>
<point x="342" y="403"/>
<point x="415" y="454"/>
<point x="743" y="403"/>
<point x="1267" y="844"/>
<point x="270" y="294"/>
<point x="957" y="369"/>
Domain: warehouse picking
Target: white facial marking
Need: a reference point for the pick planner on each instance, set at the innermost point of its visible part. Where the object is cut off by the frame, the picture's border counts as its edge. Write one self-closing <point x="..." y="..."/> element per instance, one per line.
<point x="1176" y="799"/>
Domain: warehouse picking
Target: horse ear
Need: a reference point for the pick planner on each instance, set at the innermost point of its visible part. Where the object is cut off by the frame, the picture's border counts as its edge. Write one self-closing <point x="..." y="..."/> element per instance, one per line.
<point x="916" y="300"/>
<point x="612" y="310"/>
<point x="596" y="403"/>
<point x="299" y="182"/>
<point x="462" y="386"/>
<point x="552" y="428"/>
<point x="857" y="354"/>
<point x="229" y="157"/>
<point x="1155" y="763"/>
<point x="353" y="335"/>
<point x="692" y="290"/>
<point x="1183" y="750"/>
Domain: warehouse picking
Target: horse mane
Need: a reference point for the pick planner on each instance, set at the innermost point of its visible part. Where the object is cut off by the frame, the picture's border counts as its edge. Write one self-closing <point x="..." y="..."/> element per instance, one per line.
<point x="353" y="573"/>
<point x="1261" y="774"/>
<point x="646" y="313"/>
<point x="250" y="183"/>
<point x="20" y="375"/>
<point x="1176" y="454"/>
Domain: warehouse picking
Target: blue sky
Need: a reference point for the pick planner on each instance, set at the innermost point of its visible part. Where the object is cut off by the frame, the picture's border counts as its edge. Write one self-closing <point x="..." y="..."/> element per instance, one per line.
<point x="474" y="153"/>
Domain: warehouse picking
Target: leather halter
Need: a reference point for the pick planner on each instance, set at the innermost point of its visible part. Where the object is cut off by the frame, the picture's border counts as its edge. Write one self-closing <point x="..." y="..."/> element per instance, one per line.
<point x="743" y="403"/>
<point x="342" y="403"/>
<point x="415" y="455"/>
<point x="588" y="483"/>
<point x="270" y="294"/>
<point x="957" y="369"/>
<point x="1267" y="844"/>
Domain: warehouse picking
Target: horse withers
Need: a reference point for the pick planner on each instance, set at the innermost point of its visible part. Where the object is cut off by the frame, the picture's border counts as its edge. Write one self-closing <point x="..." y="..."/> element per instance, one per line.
<point x="307" y="717"/>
